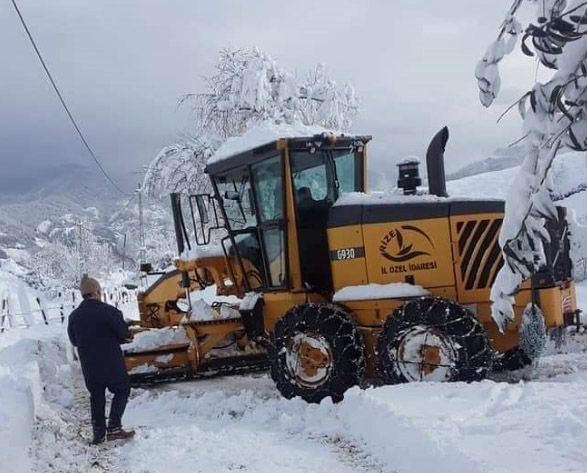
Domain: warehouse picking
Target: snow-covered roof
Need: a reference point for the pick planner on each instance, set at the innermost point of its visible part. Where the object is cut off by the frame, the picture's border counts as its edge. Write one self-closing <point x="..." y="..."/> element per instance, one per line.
<point x="395" y="196"/>
<point x="262" y="134"/>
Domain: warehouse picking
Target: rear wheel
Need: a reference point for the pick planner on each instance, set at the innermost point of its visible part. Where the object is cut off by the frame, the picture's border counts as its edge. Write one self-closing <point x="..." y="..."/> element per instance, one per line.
<point x="433" y="339"/>
<point x="316" y="351"/>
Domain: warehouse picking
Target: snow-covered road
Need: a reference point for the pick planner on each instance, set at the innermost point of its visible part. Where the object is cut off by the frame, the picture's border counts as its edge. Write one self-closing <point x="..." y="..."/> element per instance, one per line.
<point x="533" y="421"/>
<point x="237" y="424"/>
<point x="242" y="424"/>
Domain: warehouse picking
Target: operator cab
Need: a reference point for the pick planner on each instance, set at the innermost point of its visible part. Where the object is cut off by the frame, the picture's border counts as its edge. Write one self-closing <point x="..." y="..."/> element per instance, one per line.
<point x="275" y="200"/>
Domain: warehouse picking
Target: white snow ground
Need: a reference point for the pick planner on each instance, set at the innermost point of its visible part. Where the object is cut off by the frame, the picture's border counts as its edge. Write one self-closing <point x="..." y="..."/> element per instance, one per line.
<point x="532" y="421"/>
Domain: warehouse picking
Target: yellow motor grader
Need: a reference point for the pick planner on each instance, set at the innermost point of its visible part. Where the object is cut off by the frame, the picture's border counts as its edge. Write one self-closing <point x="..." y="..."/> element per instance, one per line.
<point x="334" y="285"/>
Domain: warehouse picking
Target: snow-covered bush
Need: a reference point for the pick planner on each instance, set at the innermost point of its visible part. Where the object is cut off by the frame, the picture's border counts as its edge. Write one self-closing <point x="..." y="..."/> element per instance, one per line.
<point x="247" y="88"/>
<point x="554" y="113"/>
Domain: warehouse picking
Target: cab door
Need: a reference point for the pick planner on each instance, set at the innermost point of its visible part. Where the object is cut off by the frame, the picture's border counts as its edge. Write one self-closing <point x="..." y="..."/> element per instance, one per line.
<point x="268" y="189"/>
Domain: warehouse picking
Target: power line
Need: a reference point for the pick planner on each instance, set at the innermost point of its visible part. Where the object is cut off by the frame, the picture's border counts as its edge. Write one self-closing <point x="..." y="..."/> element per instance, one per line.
<point x="77" y="128"/>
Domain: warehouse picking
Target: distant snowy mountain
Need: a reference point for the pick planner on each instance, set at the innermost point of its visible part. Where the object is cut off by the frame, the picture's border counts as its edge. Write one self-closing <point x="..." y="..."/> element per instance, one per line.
<point x="73" y="208"/>
<point x="502" y="158"/>
<point x="569" y="173"/>
<point x="67" y="190"/>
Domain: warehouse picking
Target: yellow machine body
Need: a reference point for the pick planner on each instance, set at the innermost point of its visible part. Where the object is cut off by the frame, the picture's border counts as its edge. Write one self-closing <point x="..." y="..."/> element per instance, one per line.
<point x="456" y="257"/>
<point x="448" y="247"/>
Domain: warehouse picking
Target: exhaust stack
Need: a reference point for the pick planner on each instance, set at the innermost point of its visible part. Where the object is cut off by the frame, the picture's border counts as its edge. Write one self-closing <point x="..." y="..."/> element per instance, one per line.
<point x="435" y="163"/>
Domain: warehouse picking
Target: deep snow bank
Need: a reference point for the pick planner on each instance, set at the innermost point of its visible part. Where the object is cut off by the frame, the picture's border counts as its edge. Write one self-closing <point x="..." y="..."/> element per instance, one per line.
<point x="24" y="362"/>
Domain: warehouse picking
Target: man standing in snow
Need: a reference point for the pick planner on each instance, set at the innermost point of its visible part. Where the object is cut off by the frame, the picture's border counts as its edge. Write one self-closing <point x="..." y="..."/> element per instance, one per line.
<point x="97" y="330"/>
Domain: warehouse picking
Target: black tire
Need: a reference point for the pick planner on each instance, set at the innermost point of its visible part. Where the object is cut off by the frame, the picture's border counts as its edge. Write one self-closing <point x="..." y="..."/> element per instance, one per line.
<point x="342" y="351"/>
<point x="463" y="343"/>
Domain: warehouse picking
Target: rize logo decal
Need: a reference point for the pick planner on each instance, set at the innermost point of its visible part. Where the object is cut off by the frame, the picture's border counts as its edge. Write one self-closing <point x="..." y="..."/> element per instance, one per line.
<point x="401" y="245"/>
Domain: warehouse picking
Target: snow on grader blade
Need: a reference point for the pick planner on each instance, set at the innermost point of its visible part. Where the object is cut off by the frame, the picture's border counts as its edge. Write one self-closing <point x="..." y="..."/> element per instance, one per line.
<point x="332" y="286"/>
<point x="169" y="346"/>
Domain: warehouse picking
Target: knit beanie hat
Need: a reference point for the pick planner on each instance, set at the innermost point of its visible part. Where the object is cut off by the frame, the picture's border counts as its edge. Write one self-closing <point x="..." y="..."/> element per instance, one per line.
<point x="89" y="285"/>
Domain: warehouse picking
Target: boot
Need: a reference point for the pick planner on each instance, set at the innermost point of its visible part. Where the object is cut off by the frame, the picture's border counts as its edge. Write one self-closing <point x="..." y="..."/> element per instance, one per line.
<point x="98" y="439"/>
<point x="118" y="433"/>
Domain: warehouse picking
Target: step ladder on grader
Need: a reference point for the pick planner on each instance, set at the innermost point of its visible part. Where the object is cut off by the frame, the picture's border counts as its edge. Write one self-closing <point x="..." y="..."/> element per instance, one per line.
<point x="330" y="286"/>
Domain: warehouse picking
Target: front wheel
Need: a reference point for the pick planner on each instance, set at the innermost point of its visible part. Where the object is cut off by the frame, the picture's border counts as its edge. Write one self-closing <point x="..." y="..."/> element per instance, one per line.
<point x="316" y="351"/>
<point x="433" y="339"/>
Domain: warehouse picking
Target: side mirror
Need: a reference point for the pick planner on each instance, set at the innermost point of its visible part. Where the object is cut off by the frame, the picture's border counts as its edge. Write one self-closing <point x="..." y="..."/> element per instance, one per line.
<point x="146" y="268"/>
<point x="202" y="210"/>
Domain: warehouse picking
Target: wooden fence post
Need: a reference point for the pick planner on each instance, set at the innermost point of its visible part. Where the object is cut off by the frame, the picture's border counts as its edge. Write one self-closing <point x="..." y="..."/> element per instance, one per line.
<point x="4" y="312"/>
<point x="42" y="312"/>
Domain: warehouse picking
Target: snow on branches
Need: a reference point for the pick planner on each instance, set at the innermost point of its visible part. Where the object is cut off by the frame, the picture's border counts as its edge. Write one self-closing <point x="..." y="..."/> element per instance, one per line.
<point x="179" y="167"/>
<point x="248" y="88"/>
<point x="554" y="115"/>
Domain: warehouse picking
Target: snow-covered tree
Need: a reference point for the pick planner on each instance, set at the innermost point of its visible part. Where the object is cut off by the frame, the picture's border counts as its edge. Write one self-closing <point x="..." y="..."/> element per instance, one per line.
<point x="73" y="248"/>
<point x="247" y="88"/>
<point x="57" y="262"/>
<point x="179" y="167"/>
<point x="554" y="114"/>
<point x="158" y="229"/>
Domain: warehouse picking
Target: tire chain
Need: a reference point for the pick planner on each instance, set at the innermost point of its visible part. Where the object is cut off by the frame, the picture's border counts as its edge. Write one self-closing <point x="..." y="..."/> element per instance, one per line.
<point x="338" y="327"/>
<point x="473" y="343"/>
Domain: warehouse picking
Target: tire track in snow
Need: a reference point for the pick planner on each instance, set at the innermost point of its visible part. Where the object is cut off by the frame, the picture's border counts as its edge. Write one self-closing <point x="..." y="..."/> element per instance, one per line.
<point x="245" y="426"/>
<point x="241" y="423"/>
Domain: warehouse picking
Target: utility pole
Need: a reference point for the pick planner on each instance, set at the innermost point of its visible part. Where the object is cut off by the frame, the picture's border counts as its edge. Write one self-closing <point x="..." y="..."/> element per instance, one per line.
<point x="80" y="248"/>
<point x="124" y="252"/>
<point x="143" y="248"/>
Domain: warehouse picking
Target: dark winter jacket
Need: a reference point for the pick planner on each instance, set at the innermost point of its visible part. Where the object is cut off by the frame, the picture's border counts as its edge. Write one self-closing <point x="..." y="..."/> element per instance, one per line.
<point x="97" y="330"/>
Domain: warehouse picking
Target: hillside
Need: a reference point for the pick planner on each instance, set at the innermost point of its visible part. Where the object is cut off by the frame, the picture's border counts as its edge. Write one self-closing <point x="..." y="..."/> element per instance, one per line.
<point x="570" y="182"/>
<point x="502" y="158"/>
<point x="74" y="218"/>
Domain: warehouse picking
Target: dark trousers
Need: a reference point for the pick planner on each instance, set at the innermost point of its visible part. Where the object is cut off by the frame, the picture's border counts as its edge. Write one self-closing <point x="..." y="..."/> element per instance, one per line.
<point x="98" y="406"/>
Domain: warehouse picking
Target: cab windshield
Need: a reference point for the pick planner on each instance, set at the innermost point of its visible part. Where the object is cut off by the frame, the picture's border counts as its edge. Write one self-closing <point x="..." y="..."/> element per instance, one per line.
<point x="324" y="175"/>
<point x="319" y="178"/>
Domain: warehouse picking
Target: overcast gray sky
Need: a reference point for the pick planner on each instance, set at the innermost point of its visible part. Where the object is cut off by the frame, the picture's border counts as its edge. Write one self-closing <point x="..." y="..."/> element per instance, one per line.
<point x="122" y="65"/>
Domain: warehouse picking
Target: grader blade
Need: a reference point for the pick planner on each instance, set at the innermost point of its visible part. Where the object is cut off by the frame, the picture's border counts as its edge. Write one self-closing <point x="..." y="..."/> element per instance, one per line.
<point x="201" y="349"/>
